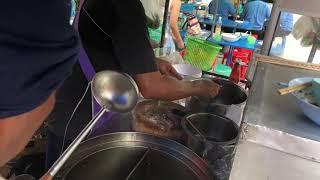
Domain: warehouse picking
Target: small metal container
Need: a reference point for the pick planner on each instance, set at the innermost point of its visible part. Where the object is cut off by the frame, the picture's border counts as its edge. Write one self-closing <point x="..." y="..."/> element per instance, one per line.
<point x="230" y="95"/>
<point x="221" y="134"/>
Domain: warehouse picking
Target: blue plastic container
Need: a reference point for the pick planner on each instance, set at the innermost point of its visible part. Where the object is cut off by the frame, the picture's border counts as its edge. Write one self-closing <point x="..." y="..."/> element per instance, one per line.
<point x="309" y="109"/>
<point x="316" y="90"/>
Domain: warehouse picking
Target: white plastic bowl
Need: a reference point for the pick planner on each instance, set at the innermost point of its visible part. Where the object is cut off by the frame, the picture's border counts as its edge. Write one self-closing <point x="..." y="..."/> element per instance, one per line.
<point x="242" y="34"/>
<point x="188" y="71"/>
<point x="239" y="22"/>
<point x="230" y="37"/>
<point x="309" y="109"/>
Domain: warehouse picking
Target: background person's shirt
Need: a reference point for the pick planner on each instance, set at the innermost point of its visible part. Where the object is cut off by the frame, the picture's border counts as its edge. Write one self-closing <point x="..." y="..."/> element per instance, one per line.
<point x="225" y="8"/>
<point x="256" y="12"/>
<point x="285" y="24"/>
<point x="38" y="48"/>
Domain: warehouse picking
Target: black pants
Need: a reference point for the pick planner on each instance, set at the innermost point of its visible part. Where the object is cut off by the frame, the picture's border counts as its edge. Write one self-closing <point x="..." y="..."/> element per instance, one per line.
<point x="67" y="98"/>
<point x="54" y="146"/>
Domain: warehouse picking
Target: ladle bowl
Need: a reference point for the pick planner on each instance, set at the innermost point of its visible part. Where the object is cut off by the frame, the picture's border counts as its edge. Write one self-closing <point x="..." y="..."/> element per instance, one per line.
<point x="115" y="91"/>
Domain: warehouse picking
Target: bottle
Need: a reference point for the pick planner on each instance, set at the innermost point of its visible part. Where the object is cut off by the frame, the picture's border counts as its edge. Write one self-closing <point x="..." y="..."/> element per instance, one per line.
<point x="236" y="72"/>
<point x="218" y="26"/>
<point x="181" y="20"/>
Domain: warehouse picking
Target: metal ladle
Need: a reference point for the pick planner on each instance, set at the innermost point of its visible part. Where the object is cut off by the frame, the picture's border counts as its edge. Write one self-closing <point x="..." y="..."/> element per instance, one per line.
<point x="114" y="92"/>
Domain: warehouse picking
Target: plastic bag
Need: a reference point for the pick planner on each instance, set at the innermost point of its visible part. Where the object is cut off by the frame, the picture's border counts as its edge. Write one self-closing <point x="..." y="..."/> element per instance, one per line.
<point x="167" y="55"/>
<point x="306" y="29"/>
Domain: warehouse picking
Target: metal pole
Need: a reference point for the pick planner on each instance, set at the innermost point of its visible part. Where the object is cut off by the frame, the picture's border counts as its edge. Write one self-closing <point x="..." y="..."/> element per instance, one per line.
<point x="216" y="3"/>
<point x="313" y="49"/>
<point x="164" y="25"/>
<point x="67" y="153"/>
<point x="271" y="28"/>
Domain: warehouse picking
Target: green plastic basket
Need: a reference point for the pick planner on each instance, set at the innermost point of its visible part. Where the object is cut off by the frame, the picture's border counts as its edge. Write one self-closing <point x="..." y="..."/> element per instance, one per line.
<point x="201" y="53"/>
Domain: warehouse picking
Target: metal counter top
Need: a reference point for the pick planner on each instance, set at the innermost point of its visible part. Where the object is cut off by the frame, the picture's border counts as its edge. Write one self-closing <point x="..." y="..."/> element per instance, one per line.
<point x="277" y="140"/>
<point x="266" y="108"/>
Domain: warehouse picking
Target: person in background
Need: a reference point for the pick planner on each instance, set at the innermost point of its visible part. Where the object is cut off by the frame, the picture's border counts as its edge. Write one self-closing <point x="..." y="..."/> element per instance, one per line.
<point x="256" y="12"/>
<point x="284" y="29"/>
<point x="173" y="38"/>
<point x="225" y="8"/>
<point x="172" y="32"/>
<point x="115" y="37"/>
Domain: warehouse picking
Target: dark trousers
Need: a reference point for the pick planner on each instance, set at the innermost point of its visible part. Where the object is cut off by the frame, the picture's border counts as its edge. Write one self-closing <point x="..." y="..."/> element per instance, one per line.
<point x="54" y="146"/>
<point x="67" y="98"/>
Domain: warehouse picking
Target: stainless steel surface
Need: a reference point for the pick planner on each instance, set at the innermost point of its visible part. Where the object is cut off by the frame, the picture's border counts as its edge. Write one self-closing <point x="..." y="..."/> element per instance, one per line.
<point x="255" y="162"/>
<point x="281" y="141"/>
<point x="266" y="108"/>
<point x="114" y="90"/>
<point x="114" y="156"/>
<point x="278" y="140"/>
<point x="74" y="145"/>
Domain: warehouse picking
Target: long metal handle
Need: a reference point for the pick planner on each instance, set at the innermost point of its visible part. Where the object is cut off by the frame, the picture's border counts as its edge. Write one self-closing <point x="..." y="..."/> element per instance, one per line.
<point x="67" y="153"/>
<point x="138" y="164"/>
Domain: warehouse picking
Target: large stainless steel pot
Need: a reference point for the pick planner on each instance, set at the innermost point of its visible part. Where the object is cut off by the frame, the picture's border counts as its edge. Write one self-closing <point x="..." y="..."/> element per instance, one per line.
<point x="230" y="95"/>
<point x="134" y="156"/>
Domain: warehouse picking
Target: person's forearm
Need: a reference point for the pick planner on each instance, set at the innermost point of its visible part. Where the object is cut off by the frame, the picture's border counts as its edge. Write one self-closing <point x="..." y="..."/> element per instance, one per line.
<point x="168" y="88"/>
<point x="176" y="33"/>
<point x="16" y="131"/>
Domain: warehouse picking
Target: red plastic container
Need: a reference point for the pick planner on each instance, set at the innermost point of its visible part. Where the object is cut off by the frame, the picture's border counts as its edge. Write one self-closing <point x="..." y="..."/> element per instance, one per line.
<point x="245" y="58"/>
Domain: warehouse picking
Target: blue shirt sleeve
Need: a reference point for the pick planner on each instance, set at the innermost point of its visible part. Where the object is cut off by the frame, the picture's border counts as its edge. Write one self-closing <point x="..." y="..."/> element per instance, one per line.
<point x="230" y="7"/>
<point x="286" y="21"/>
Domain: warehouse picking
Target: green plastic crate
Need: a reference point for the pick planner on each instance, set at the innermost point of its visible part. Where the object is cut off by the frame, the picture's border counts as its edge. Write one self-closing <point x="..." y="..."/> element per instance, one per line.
<point x="155" y="34"/>
<point x="222" y="70"/>
<point x="201" y="53"/>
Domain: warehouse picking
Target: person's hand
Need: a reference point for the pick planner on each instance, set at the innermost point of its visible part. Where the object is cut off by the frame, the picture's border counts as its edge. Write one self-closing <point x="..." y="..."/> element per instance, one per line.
<point x="167" y="69"/>
<point x="207" y="88"/>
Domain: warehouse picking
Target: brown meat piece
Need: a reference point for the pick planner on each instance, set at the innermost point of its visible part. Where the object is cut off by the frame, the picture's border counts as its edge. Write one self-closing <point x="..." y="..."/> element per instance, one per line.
<point x="156" y="118"/>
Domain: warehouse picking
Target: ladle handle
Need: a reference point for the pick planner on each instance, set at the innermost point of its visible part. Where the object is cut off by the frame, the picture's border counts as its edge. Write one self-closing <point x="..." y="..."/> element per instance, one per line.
<point x="67" y="153"/>
<point x="204" y="139"/>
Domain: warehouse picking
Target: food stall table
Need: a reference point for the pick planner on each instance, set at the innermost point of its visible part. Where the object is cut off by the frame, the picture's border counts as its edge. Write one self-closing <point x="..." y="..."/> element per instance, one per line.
<point x="188" y="8"/>
<point x="243" y="25"/>
<point x="278" y="141"/>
